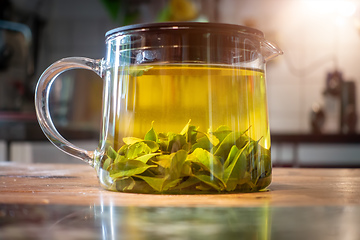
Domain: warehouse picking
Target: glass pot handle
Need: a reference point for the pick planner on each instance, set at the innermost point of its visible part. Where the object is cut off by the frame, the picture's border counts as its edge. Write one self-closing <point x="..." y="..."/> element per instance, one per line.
<point x="42" y="93"/>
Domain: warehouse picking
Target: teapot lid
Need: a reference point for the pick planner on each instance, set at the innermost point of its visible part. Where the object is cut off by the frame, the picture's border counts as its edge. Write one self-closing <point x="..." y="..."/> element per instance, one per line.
<point x="197" y="38"/>
<point x="214" y="27"/>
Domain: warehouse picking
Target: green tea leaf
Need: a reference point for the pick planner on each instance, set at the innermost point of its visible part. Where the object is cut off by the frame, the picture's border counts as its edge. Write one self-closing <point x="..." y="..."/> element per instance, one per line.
<point x="186" y="169"/>
<point x="120" y="158"/>
<point x="176" y="142"/>
<point x="145" y="158"/>
<point x="163" y="142"/>
<point x="151" y="134"/>
<point x="203" y="143"/>
<point x="266" y="161"/>
<point x="140" y="148"/>
<point x="123" y="149"/>
<point x="204" y="187"/>
<point x="132" y="140"/>
<point x="186" y="128"/>
<point x="159" y="184"/>
<point x="163" y="161"/>
<point x="188" y="183"/>
<point x="221" y="132"/>
<point x="208" y="161"/>
<point x="210" y="181"/>
<point x="246" y="179"/>
<point x="163" y="136"/>
<point x="111" y="153"/>
<point x="107" y="163"/>
<point x="163" y="145"/>
<point x="129" y="168"/>
<point x="125" y="184"/>
<point x="152" y="145"/>
<point x="171" y="184"/>
<point x="235" y="170"/>
<point x="155" y="182"/>
<point x="231" y="156"/>
<point x="242" y="141"/>
<point x="225" y="146"/>
<point x="137" y="149"/>
<point x="254" y="147"/>
<point x="133" y="185"/>
<point x="212" y="139"/>
<point x="223" y="128"/>
<point x="137" y="71"/>
<point x="264" y="166"/>
<point x="177" y="162"/>
<point x="190" y="133"/>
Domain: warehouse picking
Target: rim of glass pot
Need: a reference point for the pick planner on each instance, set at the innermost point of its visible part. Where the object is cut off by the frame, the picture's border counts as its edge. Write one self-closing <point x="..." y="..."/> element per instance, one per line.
<point x="212" y="27"/>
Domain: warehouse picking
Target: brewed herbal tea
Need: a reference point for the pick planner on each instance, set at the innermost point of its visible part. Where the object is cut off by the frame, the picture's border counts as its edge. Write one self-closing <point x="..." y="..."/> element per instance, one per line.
<point x="185" y="129"/>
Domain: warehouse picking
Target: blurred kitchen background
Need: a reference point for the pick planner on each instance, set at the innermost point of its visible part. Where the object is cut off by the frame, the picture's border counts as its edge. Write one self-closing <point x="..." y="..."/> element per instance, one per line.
<point x="313" y="89"/>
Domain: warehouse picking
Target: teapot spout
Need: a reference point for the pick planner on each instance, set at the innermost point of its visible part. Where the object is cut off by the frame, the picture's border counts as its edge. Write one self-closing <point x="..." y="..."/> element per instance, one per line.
<point x="270" y="50"/>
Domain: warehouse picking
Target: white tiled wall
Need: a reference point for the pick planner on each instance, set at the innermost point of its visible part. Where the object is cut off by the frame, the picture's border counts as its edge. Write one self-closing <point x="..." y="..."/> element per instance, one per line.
<point x="307" y="33"/>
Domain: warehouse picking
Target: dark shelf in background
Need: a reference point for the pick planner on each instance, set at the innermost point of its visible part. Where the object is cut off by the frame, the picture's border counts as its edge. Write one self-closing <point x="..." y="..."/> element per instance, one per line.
<point x="25" y="127"/>
<point x="315" y="138"/>
<point x="297" y="139"/>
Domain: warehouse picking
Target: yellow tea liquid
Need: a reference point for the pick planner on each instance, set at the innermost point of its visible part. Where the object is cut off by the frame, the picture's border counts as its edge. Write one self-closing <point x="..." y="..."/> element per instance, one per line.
<point x="210" y="96"/>
<point x="165" y="98"/>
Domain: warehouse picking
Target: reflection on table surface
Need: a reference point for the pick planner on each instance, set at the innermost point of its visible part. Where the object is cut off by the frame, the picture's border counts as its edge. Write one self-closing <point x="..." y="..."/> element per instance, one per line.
<point x="146" y="223"/>
<point x="48" y="201"/>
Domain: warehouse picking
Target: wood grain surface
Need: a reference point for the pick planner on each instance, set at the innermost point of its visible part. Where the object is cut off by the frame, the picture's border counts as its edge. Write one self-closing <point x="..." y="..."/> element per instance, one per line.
<point x="78" y="185"/>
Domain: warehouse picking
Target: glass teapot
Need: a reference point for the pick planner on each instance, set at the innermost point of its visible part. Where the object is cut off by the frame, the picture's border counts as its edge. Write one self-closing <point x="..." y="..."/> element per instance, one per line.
<point x="184" y="109"/>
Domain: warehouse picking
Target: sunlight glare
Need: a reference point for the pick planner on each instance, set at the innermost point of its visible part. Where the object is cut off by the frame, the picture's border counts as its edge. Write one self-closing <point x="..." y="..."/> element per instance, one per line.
<point x="338" y="7"/>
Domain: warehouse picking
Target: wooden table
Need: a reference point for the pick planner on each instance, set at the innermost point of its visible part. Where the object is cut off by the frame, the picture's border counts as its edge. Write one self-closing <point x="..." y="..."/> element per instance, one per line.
<point x="66" y="199"/>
